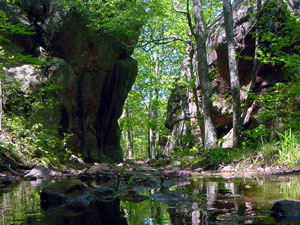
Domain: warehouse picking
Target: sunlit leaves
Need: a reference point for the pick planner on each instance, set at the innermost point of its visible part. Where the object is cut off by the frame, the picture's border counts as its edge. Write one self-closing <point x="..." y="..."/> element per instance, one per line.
<point x="122" y="19"/>
<point x="280" y="45"/>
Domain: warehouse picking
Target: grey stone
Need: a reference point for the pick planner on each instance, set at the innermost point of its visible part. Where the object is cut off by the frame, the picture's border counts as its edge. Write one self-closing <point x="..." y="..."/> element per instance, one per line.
<point x="40" y="172"/>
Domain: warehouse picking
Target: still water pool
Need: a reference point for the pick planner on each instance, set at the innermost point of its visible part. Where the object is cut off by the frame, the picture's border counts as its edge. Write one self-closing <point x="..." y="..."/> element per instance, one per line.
<point x="199" y="201"/>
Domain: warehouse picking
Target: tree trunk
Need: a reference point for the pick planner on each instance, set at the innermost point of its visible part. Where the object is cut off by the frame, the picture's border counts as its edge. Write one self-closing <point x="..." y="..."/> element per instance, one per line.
<point x="151" y="127"/>
<point x="210" y="135"/>
<point x="129" y="135"/>
<point x="233" y="71"/>
<point x="195" y="94"/>
<point x="1" y="103"/>
<point x="130" y="144"/>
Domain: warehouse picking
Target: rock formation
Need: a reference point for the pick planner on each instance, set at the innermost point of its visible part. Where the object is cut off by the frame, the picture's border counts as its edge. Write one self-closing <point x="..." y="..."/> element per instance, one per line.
<point x="182" y="118"/>
<point x="94" y="70"/>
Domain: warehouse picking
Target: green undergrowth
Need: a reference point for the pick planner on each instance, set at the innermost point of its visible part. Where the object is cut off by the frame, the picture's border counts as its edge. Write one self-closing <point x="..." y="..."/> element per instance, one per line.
<point x="32" y="144"/>
<point x="282" y="150"/>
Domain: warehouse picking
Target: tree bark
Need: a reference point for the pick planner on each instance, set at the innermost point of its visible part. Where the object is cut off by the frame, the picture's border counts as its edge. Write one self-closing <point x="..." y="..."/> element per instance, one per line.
<point x="233" y="72"/>
<point x="195" y="94"/>
<point x="210" y="135"/>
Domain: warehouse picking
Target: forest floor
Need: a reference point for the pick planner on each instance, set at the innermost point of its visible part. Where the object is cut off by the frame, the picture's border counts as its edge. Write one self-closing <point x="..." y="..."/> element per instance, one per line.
<point x="19" y="172"/>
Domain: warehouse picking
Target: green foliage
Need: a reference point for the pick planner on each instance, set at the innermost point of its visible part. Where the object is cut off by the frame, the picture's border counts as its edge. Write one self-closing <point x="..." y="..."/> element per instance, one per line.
<point x="278" y="113"/>
<point x="146" y="212"/>
<point x="8" y="28"/>
<point x="25" y="122"/>
<point x="281" y="150"/>
<point x="289" y="147"/>
<point x="213" y="158"/>
<point x="118" y="18"/>
<point x="21" y="202"/>
<point x="278" y="105"/>
<point x="35" y="143"/>
<point x="279" y="35"/>
<point x="185" y="157"/>
<point x="159" y="64"/>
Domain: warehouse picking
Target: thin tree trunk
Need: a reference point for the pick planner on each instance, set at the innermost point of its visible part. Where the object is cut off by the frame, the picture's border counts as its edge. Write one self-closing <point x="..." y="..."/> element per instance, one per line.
<point x="130" y="144"/>
<point x="195" y="94"/>
<point x="233" y="71"/>
<point x="129" y="135"/>
<point x="210" y="140"/>
<point x="255" y="66"/>
<point x="1" y="102"/>
<point x="149" y="126"/>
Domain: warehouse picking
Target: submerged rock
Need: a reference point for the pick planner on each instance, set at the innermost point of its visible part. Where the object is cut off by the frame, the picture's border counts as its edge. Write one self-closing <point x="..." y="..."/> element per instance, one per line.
<point x="286" y="211"/>
<point x="63" y="192"/>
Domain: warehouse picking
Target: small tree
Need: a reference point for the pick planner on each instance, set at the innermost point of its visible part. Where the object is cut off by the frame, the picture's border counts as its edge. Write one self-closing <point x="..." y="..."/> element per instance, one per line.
<point x="210" y="135"/>
<point x="233" y="72"/>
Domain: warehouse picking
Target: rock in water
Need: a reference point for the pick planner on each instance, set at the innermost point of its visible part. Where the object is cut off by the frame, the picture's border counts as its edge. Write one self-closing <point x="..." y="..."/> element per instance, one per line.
<point x="286" y="211"/>
<point x="40" y="172"/>
<point x="64" y="192"/>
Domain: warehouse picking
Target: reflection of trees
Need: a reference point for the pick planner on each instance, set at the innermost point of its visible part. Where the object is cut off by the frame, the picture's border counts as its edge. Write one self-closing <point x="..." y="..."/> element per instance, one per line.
<point x="146" y="212"/>
<point x="203" y="201"/>
<point x="19" y="204"/>
<point x="211" y="194"/>
<point x="96" y="213"/>
<point x="194" y="215"/>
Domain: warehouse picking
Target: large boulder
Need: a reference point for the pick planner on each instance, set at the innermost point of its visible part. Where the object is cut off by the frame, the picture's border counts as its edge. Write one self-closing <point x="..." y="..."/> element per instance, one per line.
<point x="94" y="70"/>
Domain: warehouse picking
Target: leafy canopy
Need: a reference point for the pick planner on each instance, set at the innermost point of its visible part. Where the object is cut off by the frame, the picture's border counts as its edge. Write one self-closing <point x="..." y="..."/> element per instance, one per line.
<point x="118" y="18"/>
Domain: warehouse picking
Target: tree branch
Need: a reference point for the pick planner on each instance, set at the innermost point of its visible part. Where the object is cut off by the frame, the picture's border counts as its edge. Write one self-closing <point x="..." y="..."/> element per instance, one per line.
<point x="176" y="9"/>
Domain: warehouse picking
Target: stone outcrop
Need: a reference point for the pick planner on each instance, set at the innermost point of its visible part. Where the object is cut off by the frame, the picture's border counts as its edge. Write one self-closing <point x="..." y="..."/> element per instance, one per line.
<point x="182" y="115"/>
<point x="95" y="73"/>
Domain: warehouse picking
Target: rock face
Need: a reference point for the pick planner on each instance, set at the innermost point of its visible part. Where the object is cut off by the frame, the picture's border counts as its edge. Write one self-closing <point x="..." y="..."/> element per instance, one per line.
<point x="182" y="116"/>
<point x="95" y="73"/>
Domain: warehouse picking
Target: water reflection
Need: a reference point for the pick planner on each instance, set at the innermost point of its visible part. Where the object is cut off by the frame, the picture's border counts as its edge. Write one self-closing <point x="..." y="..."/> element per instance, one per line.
<point x="20" y="204"/>
<point x="96" y="213"/>
<point x="197" y="202"/>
